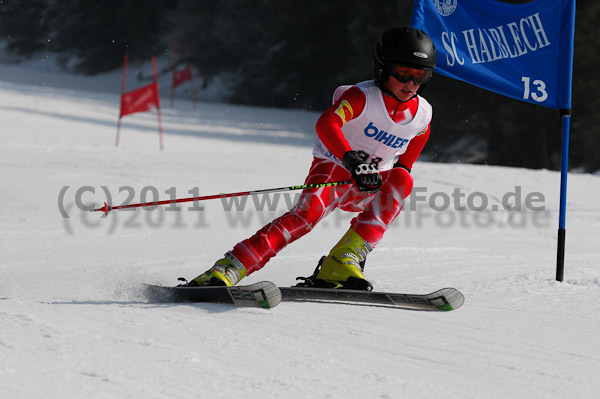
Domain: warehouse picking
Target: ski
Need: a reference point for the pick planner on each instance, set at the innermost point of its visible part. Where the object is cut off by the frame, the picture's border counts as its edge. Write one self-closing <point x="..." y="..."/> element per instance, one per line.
<point x="444" y="299"/>
<point x="263" y="294"/>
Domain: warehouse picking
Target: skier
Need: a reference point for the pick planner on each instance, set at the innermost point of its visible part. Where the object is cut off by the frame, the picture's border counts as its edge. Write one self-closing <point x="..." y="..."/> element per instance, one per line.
<point x="372" y="134"/>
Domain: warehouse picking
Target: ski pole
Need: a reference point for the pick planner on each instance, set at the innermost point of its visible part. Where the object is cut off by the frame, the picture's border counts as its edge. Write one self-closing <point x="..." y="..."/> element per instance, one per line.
<point x="107" y="208"/>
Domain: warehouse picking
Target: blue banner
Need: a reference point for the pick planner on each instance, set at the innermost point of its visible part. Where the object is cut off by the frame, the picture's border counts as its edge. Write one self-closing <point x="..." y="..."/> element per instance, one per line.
<point x="524" y="51"/>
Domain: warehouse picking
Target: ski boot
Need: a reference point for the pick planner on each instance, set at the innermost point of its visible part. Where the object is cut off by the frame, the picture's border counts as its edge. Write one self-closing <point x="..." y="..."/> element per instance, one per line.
<point x="227" y="271"/>
<point x="343" y="267"/>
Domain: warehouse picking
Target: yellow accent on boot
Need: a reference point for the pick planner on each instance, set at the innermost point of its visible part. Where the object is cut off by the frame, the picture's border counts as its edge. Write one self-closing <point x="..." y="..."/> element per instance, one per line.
<point x="225" y="271"/>
<point x="344" y="259"/>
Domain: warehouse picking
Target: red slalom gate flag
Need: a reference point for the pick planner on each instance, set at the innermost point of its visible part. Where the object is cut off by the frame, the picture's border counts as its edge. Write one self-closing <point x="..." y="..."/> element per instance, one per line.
<point x="182" y="76"/>
<point x="140" y="100"/>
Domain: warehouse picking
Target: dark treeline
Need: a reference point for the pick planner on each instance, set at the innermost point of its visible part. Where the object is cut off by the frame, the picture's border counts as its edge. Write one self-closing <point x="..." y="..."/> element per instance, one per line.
<point x="286" y="53"/>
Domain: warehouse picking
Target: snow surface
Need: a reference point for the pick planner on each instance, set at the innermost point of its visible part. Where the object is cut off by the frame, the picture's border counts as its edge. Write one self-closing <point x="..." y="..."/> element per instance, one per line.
<point x="74" y="322"/>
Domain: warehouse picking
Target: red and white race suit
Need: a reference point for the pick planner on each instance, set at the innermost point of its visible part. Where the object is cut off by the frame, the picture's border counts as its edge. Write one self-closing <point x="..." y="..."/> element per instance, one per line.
<point x="393" y="133"/>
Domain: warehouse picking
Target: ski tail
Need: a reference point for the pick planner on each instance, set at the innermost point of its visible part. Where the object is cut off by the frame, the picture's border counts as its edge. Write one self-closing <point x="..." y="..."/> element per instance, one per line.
<point x="263" y="294"/>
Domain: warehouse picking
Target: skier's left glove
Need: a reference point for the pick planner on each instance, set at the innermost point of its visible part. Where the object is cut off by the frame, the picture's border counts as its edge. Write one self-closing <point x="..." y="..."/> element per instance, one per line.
<point x="366" y="176"/>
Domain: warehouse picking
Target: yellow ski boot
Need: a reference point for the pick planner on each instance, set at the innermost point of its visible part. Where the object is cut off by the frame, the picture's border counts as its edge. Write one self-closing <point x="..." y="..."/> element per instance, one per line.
<point x="227" y="271"/>
<point x="343" y="267"/>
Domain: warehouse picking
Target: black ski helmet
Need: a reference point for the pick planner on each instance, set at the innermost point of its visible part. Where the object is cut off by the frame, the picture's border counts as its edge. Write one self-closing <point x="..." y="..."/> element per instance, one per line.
<point x="403" y="45"/>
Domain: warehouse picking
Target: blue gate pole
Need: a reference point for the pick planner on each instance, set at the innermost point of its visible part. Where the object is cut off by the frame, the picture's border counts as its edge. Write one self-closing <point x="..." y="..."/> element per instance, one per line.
<point x="564" y="169"/>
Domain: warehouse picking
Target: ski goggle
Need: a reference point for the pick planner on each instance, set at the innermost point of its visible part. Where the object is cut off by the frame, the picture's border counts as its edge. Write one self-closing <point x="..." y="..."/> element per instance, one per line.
<point x="407" y="74"/>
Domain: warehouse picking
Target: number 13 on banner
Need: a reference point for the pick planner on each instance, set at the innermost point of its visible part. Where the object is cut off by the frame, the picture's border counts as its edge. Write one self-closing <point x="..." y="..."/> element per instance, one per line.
<point x="539" y="94"/>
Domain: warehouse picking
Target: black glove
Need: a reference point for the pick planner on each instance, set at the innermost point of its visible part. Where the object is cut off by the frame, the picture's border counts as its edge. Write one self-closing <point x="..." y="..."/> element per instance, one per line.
<point x="366" y="176"/>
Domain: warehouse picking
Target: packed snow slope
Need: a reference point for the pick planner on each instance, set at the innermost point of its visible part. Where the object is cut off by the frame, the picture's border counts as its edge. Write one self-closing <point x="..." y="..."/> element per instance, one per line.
<point x="74" y="322"/>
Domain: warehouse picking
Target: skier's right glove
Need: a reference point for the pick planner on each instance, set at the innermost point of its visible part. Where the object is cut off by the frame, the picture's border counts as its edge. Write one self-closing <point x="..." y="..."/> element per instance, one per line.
<point x="366" y="176"/>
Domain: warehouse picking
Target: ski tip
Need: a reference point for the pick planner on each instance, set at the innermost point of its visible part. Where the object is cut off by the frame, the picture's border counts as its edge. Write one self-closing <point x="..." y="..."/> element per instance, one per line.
<point x="448" y="299"/>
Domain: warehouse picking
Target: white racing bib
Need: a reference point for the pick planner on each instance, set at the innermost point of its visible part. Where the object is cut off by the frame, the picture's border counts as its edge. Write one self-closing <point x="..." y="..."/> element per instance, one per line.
<point x="374" y="131"/>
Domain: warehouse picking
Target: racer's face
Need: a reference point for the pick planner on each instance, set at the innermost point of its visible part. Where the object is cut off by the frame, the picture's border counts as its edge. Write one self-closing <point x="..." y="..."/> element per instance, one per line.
<point x="404" y="91"/>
